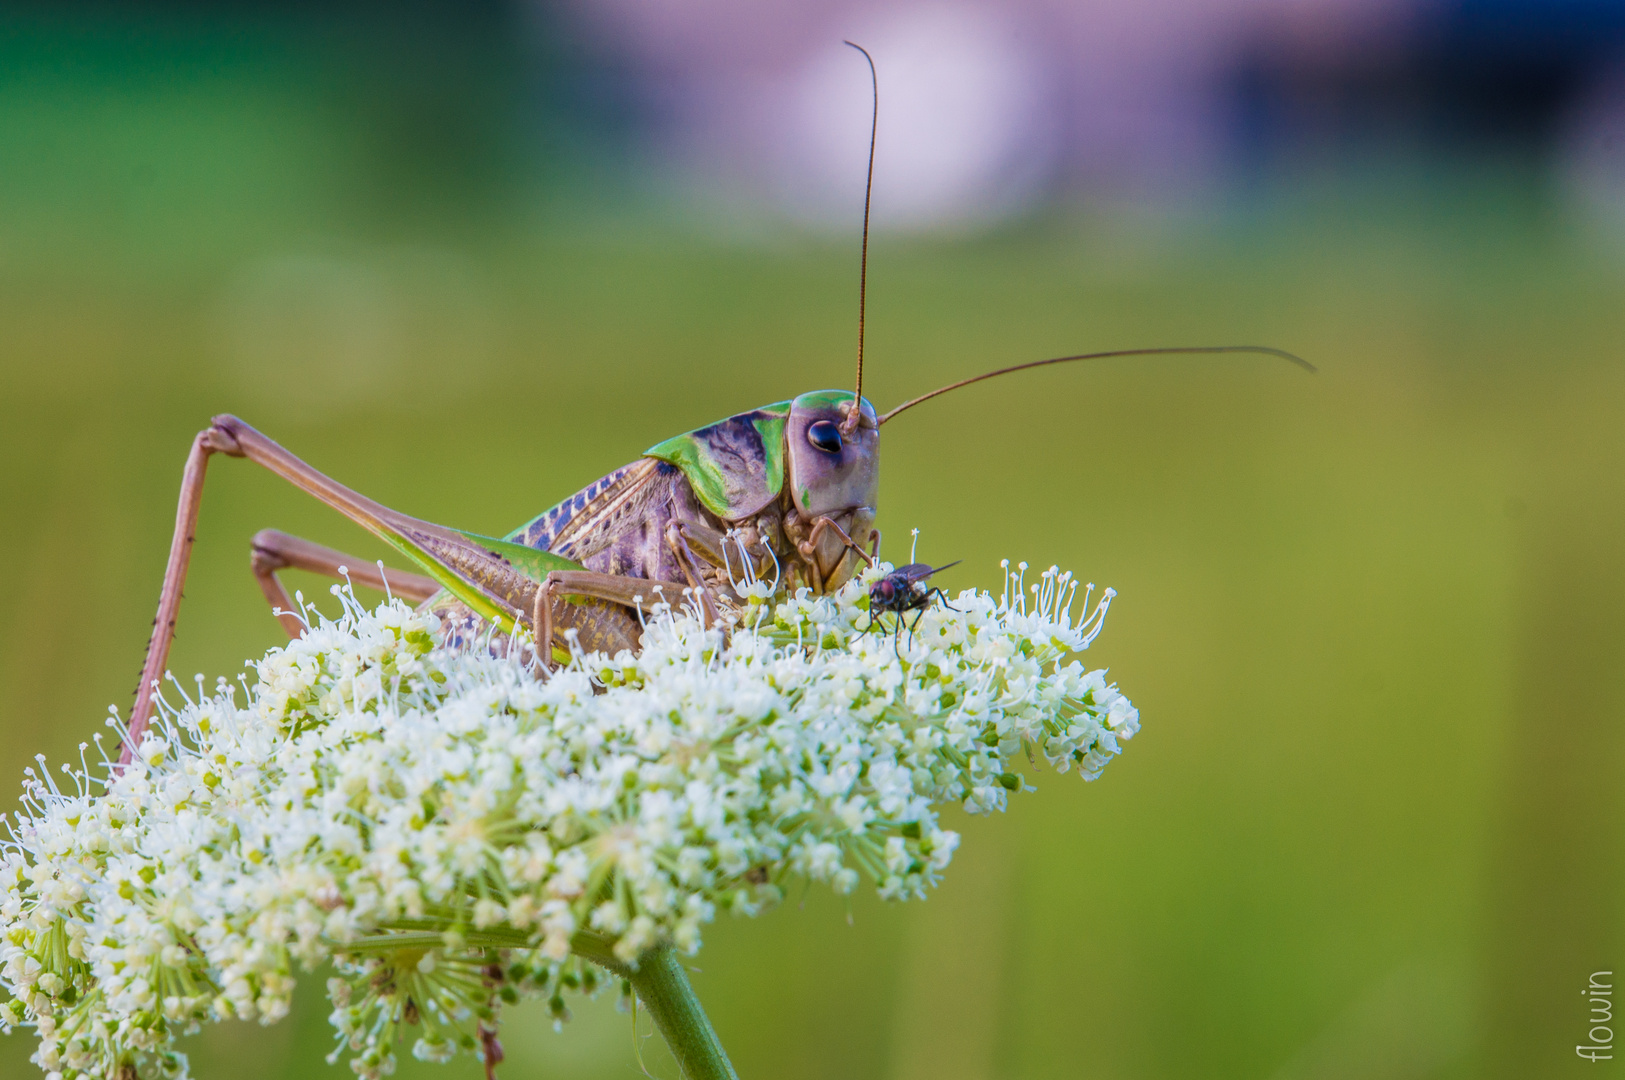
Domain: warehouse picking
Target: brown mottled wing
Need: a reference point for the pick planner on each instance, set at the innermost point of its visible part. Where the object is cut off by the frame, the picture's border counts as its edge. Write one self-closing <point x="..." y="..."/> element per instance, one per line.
<point x="594" y="517"/>
<point x="567" y="520"/>
<point x="615" y="525"/>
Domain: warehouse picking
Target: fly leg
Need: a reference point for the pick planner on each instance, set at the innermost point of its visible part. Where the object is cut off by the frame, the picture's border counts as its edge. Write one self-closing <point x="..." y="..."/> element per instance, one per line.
<point x="911" y="625"/>
<point x="897" y="630"/>
<point x="274" y="550"/>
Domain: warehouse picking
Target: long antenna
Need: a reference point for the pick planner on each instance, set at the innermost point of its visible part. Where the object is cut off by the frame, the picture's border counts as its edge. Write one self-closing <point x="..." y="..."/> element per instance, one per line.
<point x="1264" y="350"/>
<point x="851" y="421"/>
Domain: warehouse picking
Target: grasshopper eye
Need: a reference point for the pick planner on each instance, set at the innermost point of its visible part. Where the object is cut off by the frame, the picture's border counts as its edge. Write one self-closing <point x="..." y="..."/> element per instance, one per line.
<point x="825" y="435"/>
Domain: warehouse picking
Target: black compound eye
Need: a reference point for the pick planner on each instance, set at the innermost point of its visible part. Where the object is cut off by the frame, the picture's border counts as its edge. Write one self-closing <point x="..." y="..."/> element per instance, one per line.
<point x="825" y="435"/>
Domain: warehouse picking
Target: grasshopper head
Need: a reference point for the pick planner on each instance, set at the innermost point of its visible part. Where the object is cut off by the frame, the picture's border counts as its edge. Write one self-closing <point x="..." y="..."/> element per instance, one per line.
<point x="834" y="474"/>
<point x="830" y="472"/>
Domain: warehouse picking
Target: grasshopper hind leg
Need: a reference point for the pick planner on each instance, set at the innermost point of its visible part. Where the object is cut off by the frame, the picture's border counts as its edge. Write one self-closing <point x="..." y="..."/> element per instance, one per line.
<point x="464" y="559"/>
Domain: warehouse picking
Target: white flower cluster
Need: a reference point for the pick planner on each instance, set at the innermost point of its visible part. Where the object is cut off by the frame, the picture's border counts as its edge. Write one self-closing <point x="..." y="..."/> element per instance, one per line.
<point x="452" y="830"/>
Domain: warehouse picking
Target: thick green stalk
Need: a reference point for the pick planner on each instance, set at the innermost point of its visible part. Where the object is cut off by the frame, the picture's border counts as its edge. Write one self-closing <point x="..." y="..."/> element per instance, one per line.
<point x="662" y="986"/>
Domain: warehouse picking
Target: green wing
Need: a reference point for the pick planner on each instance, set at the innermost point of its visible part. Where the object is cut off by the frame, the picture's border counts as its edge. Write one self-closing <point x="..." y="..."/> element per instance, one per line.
<point x="495" y="578"/>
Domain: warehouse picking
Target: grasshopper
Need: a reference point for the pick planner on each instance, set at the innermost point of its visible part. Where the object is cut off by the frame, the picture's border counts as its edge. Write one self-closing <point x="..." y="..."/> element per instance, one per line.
<point x="788" y="490"/>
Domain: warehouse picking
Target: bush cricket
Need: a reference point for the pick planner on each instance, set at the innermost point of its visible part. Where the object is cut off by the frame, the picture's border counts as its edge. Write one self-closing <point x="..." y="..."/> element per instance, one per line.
<point x="789" y="487"/>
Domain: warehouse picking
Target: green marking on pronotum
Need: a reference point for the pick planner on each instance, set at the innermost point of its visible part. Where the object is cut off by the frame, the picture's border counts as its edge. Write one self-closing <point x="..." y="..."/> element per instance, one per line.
<point x="770" y="425"/>
<point x="735" y="466"/>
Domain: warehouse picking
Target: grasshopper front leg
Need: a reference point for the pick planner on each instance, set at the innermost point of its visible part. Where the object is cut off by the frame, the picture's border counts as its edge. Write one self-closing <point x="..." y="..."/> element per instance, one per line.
<point x="821" y="571"/>
<point x="690" y="564"/>
<point x="809" y="546"/>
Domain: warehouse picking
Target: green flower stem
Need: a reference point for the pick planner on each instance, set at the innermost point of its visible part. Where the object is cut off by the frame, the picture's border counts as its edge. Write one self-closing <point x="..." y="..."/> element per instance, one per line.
<point x="662" y="986"/>
<point x="658" y="980"/>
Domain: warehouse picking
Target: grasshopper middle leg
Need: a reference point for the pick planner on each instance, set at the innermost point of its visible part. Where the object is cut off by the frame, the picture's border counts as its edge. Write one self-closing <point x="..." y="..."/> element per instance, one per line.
<point x="636" y="593"/>
<point x="274" y="551"/>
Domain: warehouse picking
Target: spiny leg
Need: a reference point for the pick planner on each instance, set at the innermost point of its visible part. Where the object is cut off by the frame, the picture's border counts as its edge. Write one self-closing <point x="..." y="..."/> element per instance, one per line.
<point x="274" y="550"/>
<point x="708" y="545"/>
<point x="478" y="573"/>
<point x="808" y="549"/>
<point x="208" y="442"/>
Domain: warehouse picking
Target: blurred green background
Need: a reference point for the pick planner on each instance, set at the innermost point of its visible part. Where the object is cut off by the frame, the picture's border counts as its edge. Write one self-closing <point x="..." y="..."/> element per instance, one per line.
<point x="1374" y="620"/>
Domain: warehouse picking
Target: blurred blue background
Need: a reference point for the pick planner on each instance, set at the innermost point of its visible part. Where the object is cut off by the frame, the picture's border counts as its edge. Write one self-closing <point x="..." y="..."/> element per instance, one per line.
<point x="468" y="257"/>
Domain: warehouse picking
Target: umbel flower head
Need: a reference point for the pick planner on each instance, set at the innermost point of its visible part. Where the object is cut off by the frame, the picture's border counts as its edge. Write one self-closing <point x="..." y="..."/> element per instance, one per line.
<point x="452" y="831"/>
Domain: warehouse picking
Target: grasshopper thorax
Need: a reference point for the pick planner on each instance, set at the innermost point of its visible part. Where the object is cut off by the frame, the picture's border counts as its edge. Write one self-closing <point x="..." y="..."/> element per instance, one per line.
<point x="780" y="470"/>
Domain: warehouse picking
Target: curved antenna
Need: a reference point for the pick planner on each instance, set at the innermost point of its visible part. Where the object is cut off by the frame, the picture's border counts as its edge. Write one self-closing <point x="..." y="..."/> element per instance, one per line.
<point x="1264" y="350"/>
<point x="851" y="422"/>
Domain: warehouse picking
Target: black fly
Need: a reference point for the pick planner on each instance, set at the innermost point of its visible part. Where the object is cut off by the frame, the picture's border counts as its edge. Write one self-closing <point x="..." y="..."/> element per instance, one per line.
<point x="904" y="590"/>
